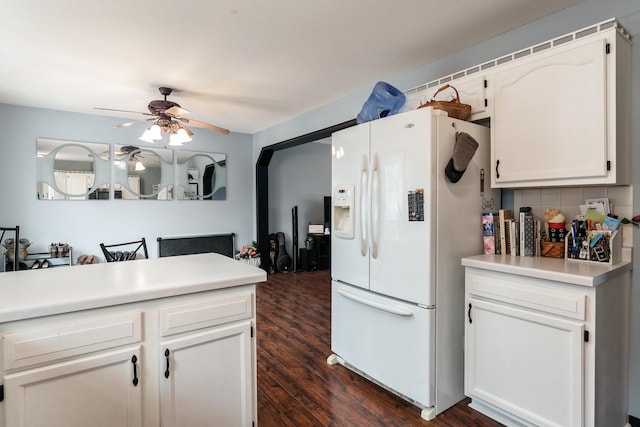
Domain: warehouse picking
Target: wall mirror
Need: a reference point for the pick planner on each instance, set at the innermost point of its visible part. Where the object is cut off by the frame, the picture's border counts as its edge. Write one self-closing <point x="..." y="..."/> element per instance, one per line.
<point x="68" y="170"/>
<point x="142" y="173"/>
<point x="201" y="176"/>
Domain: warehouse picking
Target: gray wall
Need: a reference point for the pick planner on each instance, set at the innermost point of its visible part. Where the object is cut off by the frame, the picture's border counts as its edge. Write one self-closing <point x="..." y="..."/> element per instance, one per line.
<point x="579" y="16"/>
<point x="84" y="224"/>
<point x="299" y="176"/>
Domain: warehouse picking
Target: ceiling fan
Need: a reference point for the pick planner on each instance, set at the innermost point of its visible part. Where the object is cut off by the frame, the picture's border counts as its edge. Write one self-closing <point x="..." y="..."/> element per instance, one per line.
<point x="167" y="115"/>
<point x="122" y="152"/>
<point x="126" y="149"/>
<point x="135" y="159"/>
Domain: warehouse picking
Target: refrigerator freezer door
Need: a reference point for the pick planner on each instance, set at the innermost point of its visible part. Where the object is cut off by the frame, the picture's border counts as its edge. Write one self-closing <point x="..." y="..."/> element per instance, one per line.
<point x="388" y="340"/>
<point x="350" y="169"/>
<point x="401" y="196"/>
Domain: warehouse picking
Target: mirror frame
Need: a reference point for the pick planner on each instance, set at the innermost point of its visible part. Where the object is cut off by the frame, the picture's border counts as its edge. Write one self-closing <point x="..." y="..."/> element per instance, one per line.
<point x="121" y="175"/>
<point x="182" y="174"/>
<point x="45" y="167"/>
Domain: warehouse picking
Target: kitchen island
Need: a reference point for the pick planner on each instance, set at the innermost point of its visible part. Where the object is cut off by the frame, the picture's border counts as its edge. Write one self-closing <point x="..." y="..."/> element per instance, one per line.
<point x="547" y="340"/>
<point x="130" y="343"/>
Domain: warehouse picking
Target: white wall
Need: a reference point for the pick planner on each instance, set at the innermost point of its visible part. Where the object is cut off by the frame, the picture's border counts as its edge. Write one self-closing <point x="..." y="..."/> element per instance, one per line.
<point x="84" y="224"/>
<point x="299" y="176"/>
<point x="576" y="17"/>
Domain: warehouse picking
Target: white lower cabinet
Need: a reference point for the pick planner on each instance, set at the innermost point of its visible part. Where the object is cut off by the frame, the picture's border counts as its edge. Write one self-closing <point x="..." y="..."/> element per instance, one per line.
<point x="207" y="378"/>
<point x="96" y="391"/>
<point x="180" y="361"/>
<point x="527" y="363"/>
<point x="545" y="352"/>
<point x="208" y="362"/>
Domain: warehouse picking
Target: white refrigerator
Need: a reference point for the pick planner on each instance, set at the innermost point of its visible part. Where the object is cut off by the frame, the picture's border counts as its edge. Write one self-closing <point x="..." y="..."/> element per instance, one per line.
<point x="399" y="230"/>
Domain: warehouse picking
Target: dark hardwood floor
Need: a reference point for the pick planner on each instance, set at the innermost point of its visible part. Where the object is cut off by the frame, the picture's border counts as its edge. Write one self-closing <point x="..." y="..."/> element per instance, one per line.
<point x="296" y="387"/>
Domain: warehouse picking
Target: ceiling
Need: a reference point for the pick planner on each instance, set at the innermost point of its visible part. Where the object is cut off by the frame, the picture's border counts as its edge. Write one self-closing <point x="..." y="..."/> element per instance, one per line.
<point x="244" y="65"/>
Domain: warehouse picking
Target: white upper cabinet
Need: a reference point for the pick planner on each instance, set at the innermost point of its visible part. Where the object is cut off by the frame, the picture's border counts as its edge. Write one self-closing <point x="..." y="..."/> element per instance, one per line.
<point x="472" y="90"/>
<point x="560" y="110"/>
<point x="561" y="115"/>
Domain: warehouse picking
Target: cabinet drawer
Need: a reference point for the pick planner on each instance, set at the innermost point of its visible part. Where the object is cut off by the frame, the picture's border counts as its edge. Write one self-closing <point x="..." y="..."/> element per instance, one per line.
<point x="202" y="314"/>
<point x="527" y="293"/>
<point x="58" y="342"/>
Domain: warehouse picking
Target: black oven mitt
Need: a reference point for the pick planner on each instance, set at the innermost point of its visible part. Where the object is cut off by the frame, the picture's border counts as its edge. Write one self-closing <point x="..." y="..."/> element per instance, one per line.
<point x="463" y="150"/>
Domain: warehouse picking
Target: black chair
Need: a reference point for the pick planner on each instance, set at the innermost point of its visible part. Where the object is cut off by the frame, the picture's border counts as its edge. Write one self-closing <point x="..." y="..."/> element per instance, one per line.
<point x="124" y="251"/>
<point x="16" y="246"/>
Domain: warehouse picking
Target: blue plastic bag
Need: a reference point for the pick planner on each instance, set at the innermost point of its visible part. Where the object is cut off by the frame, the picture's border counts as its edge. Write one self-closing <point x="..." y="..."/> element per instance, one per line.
<point x="385" y="100"/>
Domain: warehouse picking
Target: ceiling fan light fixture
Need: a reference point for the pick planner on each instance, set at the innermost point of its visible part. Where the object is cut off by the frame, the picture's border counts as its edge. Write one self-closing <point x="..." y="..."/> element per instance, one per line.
<point x="182" y="133"/>
<point x="179" y="137"/>
<point x="152" y="134"/>
<point x="135" y="165"/>
<point x="156" y="132"/>
<point x="146" y="136"/>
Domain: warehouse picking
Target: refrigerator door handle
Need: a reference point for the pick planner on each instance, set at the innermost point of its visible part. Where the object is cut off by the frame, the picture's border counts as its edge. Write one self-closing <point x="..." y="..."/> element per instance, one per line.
<point x="373" y="207"/>
<point x="364" y="184"/>
<point x="384" y="307"/>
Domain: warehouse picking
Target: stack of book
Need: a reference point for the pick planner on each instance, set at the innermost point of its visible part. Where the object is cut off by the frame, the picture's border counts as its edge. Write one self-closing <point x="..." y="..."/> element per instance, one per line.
<point x="505" y="235"/>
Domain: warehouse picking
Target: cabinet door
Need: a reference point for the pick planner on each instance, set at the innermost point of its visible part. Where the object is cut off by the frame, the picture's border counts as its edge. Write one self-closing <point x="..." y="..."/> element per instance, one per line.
<point x="471" y="90"/>
<point x="207" y="378"/>
<point x="91" y="179"/>
<point x="550" y="119"/>
<point x="529" y="364"/>
<point x="134" y="184"/>
<point x="77" y="184"/>
<point x="96" y="391"/>
<point x="61" y="183"/>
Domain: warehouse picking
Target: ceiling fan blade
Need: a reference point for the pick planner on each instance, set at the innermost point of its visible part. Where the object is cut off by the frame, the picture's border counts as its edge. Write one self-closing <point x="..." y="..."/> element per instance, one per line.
<point x="203" y="125"/>
<point x="122" y="111"/>
<point x="176" y="111"/>
<point x="135" y="122"/>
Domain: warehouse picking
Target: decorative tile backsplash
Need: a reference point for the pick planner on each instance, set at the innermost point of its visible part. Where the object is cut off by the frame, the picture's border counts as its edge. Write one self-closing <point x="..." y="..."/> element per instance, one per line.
<point x="569" y="199"/>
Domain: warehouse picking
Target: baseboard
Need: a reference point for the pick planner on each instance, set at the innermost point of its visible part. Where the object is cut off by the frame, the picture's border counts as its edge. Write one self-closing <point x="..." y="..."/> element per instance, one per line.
<point x="634" y="421"/>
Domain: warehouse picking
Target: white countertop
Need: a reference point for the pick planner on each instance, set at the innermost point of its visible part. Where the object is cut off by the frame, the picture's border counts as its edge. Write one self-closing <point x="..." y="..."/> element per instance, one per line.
<point x="35" y="293"/>
<point x="557" y="269"/>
